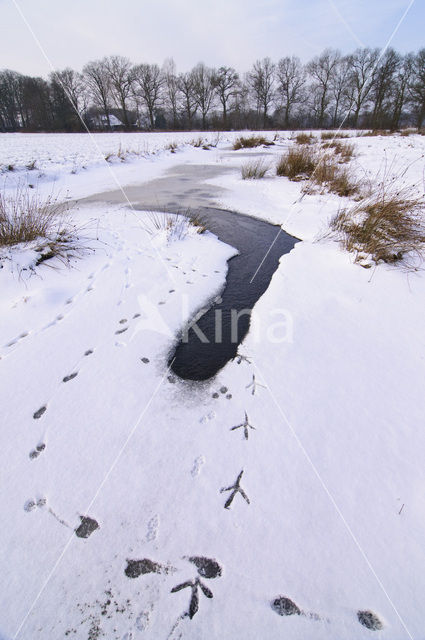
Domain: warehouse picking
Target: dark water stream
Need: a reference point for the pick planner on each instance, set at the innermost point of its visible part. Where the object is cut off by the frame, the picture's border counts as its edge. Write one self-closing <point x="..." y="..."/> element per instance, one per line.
<point x="206" y="347"/>
<point x="210" y="343"/>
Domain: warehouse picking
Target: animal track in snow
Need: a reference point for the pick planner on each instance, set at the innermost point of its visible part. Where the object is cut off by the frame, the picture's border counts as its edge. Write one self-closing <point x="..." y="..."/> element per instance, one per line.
<point x="370" y="620"/>
<point x="87" y="527"/>
<point x="88" y="352"/>
<point x="136" y="568"/>
<point x="32" y="504"/>
<point x="36" y="452"/>
<point x="253" y="385"/>
<point x="70" y="377"/>
<point x="39" y="413"/>
<point x="234" y="489"/>
<point x="207" y="568"/>
<point x="245" y="425"/>
<point x="143" y="619"/>
<point x="17" y="339"/>
<point x="119" y="331"/>
<point x="153" y="528"/>
<point x="197" y="466"/>
<point x="209" y="416"/>
<point x="284" y="606"/>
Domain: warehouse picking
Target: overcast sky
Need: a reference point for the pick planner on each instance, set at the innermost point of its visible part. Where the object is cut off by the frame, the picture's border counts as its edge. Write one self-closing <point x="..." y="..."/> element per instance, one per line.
<point x="231" y="32"/>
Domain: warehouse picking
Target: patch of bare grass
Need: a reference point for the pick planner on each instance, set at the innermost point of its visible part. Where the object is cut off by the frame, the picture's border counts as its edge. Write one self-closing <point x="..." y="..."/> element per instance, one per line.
<point x="376" y="132"/>
<point x="345" y="150"/>
<point x="298" y="163"/>
<point x="250" y="142"/>
<point x="304" y="138"/>
<point x="388" y="226"/>
<point x="329" y="175"/>
<point x="254" y="170"/>
<point x="333" y="135"/>
<point x="323" y="170"/>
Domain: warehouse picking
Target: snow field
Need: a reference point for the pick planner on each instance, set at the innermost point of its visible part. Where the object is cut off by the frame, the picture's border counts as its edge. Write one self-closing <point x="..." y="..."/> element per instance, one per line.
<point x="333" y="470"/>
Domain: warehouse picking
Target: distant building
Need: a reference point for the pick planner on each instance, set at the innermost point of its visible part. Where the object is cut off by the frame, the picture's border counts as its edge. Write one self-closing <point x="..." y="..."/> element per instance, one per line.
<point x="114" y="122"/>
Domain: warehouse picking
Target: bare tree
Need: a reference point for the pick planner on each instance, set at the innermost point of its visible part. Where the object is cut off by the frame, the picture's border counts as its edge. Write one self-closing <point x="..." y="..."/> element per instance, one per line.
<point x="261" y="80"/>
<point x="121" y="76"/>
<point x="242" y="104"/>
<point x="9" y="100"/>
<point x="321" y="70"/>
<point x="417" y="87"/>
<point x="360" y="81"/>
<point x="73" y="84"/>
<point x="186" y="87"/>
<point x="226" y="83"/>
<point x="172" y="90"/>
<point x="203" y="89"/>
<point x="66" y="91"/>
<point x="341" y="98"/>
<point x="148" y="82"/>
<point x="401" y="84"/>
<point x="291" y="80"/>
<point x="383" y="87"/>
<point x="98" y="82"/>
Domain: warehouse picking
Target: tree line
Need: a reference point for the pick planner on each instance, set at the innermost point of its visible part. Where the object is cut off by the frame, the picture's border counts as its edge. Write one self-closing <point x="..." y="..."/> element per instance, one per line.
<point x="361" y="90"/>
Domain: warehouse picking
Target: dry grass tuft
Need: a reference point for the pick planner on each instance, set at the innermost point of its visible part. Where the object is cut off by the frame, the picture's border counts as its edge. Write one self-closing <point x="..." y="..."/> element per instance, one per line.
<point x="376" y="132"/>
<point x="175" y="225"/>
<point x="172" y="146"/>
<point x="254" y="170"/>
<point x="305" y="138"/>
<point x="388" y="226"/>
<point x="298" y="163"/>
<point x="343" y="184"/>
<point x="329" y="175"/>
<point x="333" y="135"/>
<point x="345" y="150"/>
<point x="251" y="142"/>
<point x="26" y="217"/>
<point x="323" y="170"/>
<point x="197" y="142"/>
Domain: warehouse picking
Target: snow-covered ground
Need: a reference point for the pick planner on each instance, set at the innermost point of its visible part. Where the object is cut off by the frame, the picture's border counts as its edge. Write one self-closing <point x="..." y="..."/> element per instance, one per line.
<point x="332" y="383"/>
